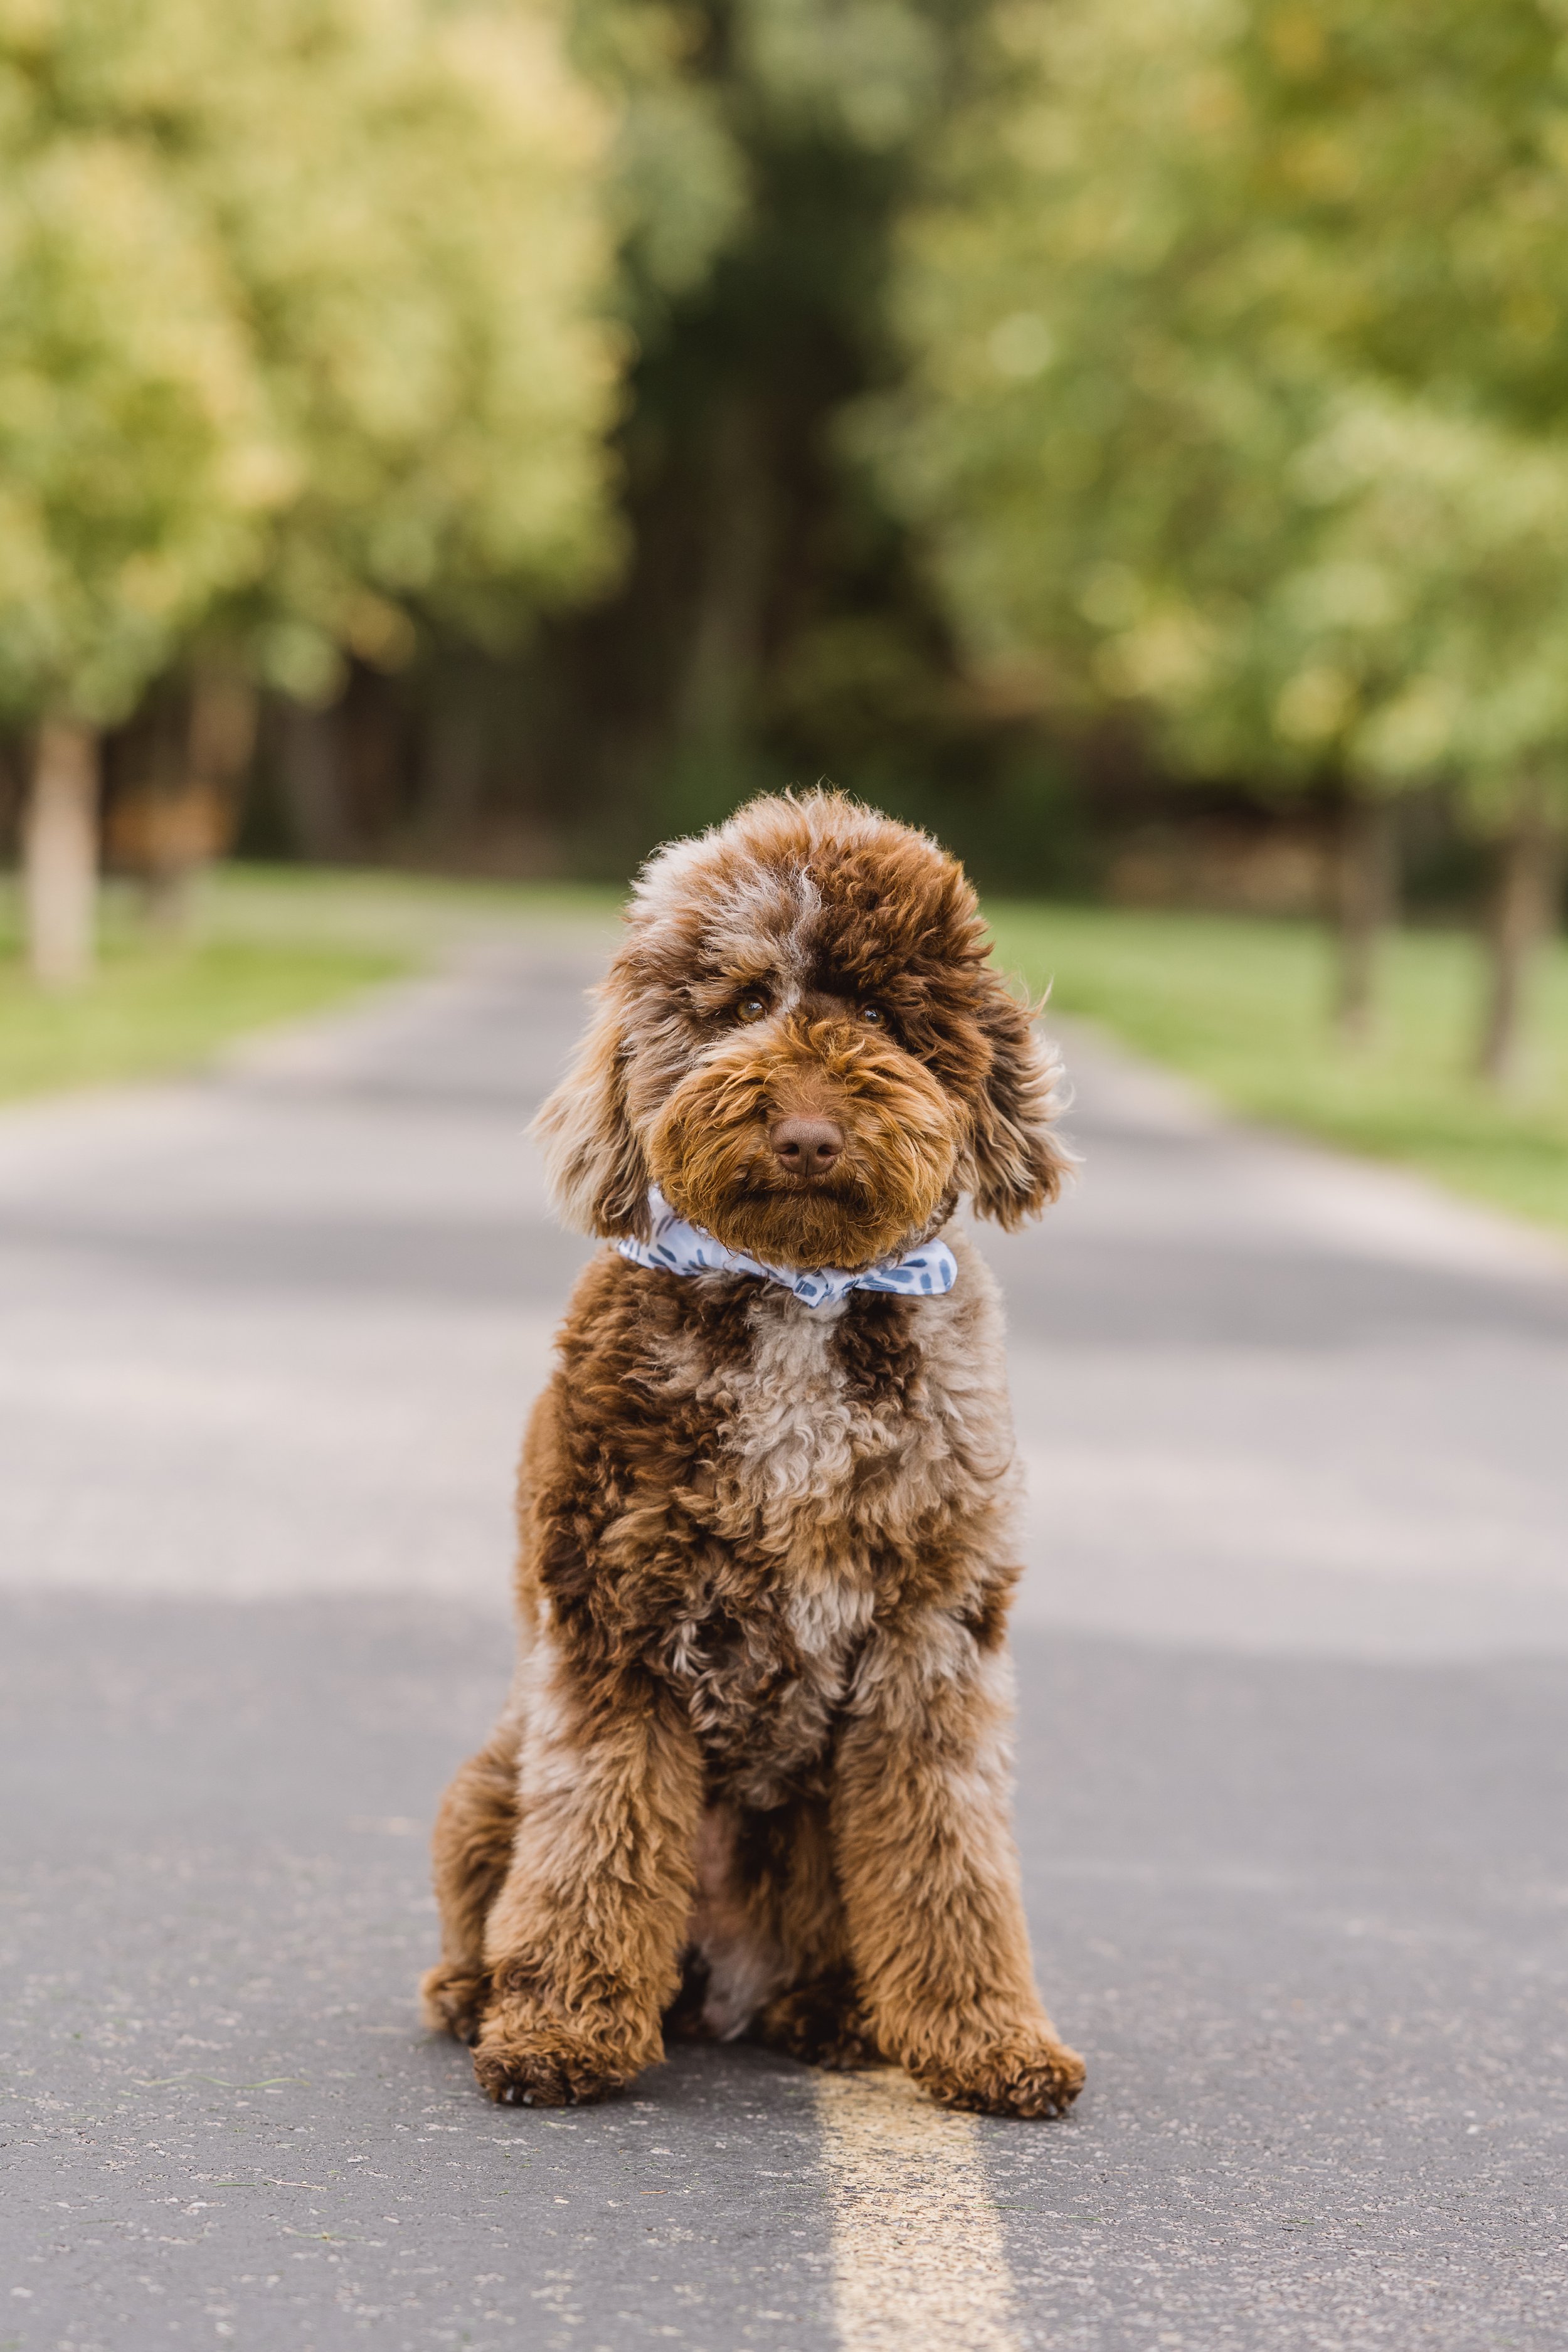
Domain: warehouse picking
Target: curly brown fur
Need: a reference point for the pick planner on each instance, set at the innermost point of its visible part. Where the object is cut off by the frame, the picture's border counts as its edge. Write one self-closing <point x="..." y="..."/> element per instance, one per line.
<point x="753" y="1775"/>
<point x="474" y="1831"/>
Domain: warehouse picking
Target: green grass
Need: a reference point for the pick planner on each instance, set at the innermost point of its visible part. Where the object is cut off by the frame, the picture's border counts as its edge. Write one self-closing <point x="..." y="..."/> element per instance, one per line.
<point x="1243" y="1006"/>
<point x="150" y="1009"/>
<point x="412" y="916"/>
<point x="265" y="946"/>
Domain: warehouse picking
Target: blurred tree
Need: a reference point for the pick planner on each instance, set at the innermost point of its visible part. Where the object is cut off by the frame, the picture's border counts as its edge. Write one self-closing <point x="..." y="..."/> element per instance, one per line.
<point x="1419" y="153"/>
<point x="676" y="183"/>
<point x="1410" y="163"/>
<point x="171" y="781"/>
<point x="1187" y="429"/>
<point x="771" y="598"/>
<point x="301" y="339"/>
<point x="1424" y="632"/>
<point x="134" y="454"/>
<point x="407" y="194"/>
<point x="1107" y="399"/>
<point x="1472" y="520"/>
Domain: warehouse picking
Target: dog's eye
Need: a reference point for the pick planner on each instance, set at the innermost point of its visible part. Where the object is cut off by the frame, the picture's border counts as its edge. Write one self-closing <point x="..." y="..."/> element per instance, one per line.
<point x="751" y="1007"/>
<point x="873" y="1016"/>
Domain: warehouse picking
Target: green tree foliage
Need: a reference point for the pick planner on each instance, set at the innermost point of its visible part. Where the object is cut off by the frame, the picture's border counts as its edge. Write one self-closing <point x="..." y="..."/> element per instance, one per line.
<point x="1411" y="164"/>
<point x="770" y="622"/>
<point x="675" y="184"/>
<point x="408" y="196"/>
<point x="1420" y="154"/>
<point x="134" y="448"/>
<point x="1235" y="378"/>
<point x="302" y="336"/>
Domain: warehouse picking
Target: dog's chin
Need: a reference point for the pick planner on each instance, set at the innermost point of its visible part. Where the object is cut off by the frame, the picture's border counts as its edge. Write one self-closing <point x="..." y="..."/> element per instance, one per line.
<point x="805" y="1225"/>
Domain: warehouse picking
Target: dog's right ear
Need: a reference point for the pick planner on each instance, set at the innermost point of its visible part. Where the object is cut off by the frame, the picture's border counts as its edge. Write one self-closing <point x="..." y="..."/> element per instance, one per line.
<point x="598" y="1176"/>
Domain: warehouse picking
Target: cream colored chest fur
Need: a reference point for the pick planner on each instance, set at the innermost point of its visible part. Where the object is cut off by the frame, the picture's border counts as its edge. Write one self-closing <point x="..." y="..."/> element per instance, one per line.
<point x="820" y="1466"/>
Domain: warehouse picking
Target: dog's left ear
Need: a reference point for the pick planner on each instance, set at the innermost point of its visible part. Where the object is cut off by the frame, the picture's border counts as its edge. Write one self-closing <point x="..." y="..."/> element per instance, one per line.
<point x="1016" y="1163"/>
<point x="598" y="1176"/>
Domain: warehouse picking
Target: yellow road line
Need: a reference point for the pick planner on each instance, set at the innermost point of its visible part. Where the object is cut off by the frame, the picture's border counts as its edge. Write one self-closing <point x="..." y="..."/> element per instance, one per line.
<point x="918" y="2259"/>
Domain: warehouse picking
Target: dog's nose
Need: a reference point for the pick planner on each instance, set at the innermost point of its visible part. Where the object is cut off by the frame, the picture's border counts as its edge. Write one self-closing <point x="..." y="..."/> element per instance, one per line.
<point x="806" y="1147"/>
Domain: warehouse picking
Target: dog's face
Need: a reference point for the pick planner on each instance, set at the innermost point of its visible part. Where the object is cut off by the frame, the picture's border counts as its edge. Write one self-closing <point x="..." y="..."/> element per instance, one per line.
<point x="804" y="1046"/>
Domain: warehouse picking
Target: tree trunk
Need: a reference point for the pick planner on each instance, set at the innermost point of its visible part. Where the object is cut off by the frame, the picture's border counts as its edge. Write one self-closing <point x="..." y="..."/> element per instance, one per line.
<point x="1523" y="911"/>
<point x="156" y="814"/>
<point x="1368" y="901"/>
<point x="59" y="853"/>
<point x="314" y="784"/>
<point x="219" y="736"/>
<point x="454" y="759"/>
<point x="727" y="634"/>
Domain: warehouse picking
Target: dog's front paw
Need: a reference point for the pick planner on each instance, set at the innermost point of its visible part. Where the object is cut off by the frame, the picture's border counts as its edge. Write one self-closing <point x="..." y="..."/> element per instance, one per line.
<point x="1019" y="2075"/>
<point x="454" y="2001"/>
<point x="530" y="2060"/>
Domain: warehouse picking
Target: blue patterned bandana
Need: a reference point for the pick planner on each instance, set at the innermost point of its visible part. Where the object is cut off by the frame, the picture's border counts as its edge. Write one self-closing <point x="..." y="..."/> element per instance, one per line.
<point x="677" y="1247"/>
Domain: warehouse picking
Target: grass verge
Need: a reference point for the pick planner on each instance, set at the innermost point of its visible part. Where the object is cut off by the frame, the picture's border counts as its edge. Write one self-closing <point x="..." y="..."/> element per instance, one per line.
<point x="263" y="946"/>
<point x="1243" y="1006"/>
<point x="148" y="1011"/>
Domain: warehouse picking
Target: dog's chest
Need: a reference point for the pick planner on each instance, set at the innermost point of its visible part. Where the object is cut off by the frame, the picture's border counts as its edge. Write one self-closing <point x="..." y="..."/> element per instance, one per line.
<point x="825" y="1431"/>
<point x="829" y="1447"/>
<point x="798" y="1431"/>
<point x="762" y="1676"/>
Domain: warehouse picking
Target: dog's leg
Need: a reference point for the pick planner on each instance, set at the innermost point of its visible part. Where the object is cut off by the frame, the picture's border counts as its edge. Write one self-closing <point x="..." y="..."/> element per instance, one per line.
<point x="772" y="1959"/>
<point x="470" y="1849"/>
<point x="823" y="2022"/>
<point x="818" y="2016"/>
<point x="585" y="1940"/>
<point x="930" y="1873"/>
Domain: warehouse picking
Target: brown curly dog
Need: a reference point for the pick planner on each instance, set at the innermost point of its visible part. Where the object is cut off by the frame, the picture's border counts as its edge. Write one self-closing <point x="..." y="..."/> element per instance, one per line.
<point x="752" y="1777"/>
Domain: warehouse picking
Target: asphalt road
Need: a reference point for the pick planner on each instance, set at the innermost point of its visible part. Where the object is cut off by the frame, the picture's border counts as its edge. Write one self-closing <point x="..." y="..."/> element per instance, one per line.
<point x="1293" y="1789"/>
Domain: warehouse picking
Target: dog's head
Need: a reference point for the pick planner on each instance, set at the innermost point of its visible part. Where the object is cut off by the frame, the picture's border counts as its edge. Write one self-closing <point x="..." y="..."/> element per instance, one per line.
<point x="804" y="1044"/>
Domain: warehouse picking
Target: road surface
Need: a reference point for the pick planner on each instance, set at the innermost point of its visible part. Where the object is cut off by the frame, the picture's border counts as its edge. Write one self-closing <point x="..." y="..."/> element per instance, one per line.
<point x="1293" y="1788"/>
